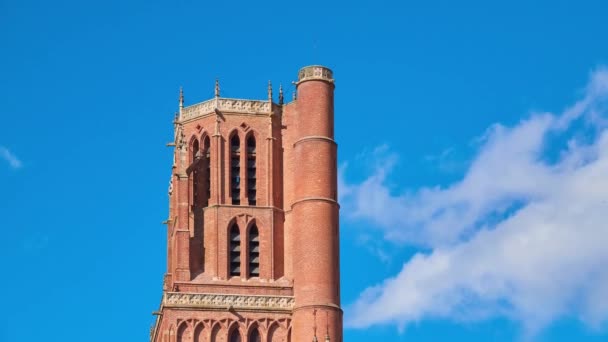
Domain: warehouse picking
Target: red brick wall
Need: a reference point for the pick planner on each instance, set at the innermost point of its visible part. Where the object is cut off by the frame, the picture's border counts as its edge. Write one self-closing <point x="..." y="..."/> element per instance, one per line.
<point x="296" y="214"/>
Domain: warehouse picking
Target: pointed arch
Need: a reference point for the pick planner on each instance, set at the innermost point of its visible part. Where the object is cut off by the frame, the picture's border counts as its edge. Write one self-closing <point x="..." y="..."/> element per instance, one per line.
<point x="194" y="146"/>
<point x="277" y="332"/>
<point x="254" y="334"/>
<point x="251" y="168"/>
<point x="253" y="247"/>
<point x="234" y="248"/>
<point x="184" y="332"/>
<point x="234" y="335"/>
<point x="215" y="332"/>
<point x="199" y="333"/>
<point x="235" y="167"/>
<point x="193" y="170"/>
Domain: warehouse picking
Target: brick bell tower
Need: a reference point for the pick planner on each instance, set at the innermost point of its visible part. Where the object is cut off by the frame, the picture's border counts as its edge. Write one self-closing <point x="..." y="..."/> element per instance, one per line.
<point x="252" y="234"/>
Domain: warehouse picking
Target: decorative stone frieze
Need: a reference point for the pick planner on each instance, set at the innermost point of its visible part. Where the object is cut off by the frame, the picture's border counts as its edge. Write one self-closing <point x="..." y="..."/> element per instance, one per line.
<point x="237" y="302"/>
<point x="226" y="105"/>
<point x="315" y="72"/>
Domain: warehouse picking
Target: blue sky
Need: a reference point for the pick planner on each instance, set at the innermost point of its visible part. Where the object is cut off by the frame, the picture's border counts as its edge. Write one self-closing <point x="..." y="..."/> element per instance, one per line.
<point x="471" y="142"/>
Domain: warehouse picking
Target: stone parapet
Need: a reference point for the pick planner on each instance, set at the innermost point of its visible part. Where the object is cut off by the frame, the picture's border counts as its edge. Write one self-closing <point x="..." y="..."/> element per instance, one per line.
<point x="315" y="72"/>
<point x="226" y="105"/>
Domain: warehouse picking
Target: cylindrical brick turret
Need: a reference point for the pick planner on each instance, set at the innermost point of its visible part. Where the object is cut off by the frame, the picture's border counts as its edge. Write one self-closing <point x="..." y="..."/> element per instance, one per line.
<point x="315" y="210"/>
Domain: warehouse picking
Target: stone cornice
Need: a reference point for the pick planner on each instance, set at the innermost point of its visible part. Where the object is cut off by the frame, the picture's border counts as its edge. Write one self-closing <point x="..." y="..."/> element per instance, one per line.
<point x="227" y="301"/>
<point x="227" y="105"/>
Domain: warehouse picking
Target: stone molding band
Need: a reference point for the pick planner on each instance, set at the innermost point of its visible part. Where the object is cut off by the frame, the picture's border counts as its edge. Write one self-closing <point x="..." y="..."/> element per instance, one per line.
<point x="315" y="137"/>
<point x="322" y="199"/>
<point x="226" y="301"/>
<point x="329" y="306"/>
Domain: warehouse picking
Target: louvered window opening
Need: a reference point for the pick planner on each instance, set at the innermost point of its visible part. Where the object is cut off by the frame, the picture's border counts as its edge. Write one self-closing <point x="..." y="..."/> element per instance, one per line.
<point x="207" y="166"/>
<point x="235" y="251"/>
<point x="254" y="252"/>
<point x="251" y="171"/>
<point x="235" y="170"/>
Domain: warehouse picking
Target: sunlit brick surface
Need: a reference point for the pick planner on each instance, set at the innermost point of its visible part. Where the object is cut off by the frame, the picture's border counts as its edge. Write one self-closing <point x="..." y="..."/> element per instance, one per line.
<point x="293" y="182"/>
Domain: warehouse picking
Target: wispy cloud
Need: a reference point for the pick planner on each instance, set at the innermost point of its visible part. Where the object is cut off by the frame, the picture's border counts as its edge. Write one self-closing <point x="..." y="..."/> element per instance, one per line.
<point x="10" y="158"/>
<point x="521" y="235"/>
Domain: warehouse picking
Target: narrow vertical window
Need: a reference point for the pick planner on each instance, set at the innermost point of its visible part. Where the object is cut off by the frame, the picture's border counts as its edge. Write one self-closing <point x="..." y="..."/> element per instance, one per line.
<point x="254" y="251"/>
<point x="206" y="169"/>
<point x="195" y="174"/>
<point x="251" y="171"/>
<point x="235" y="169"/>
<point x="235" y="251"/>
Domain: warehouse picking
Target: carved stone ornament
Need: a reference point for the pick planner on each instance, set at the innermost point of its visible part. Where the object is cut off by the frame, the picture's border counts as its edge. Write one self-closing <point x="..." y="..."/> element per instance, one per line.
<point x="226" y="105"/>
<point x="315" y="72"/>
<point x="181" y="143"/>
<point x="215" y="301"/>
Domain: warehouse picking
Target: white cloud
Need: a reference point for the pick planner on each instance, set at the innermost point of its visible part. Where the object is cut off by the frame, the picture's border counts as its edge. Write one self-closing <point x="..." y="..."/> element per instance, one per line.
<point x="518" y="236"/>
<point x="10" y="158"/>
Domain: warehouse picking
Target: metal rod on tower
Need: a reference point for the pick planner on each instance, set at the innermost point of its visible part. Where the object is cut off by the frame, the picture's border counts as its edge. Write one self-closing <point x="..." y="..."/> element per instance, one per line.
<point x="327" y="339"/>
<point x="314" y="327"/>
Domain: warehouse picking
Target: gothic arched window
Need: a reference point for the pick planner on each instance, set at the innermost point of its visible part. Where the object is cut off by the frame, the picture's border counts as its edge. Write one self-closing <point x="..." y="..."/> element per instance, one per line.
<point x="206" y="170"/>
<point x="254" y="251"/>
<point x="235" y="169"/>
<point x="194" y="175"/>
<point x="251" y="170"/>
<point x="254" y="336"/>
<point x="235" y="336"/>
<point x="235" y="250"/>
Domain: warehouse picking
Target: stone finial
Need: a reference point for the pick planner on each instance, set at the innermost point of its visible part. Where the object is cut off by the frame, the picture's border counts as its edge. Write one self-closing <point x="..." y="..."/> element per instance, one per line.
<point x="280" y="94"/>
<point x="217" y="87"/>
<point x="269" y="91"/>
<point x="181" y="97"/>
